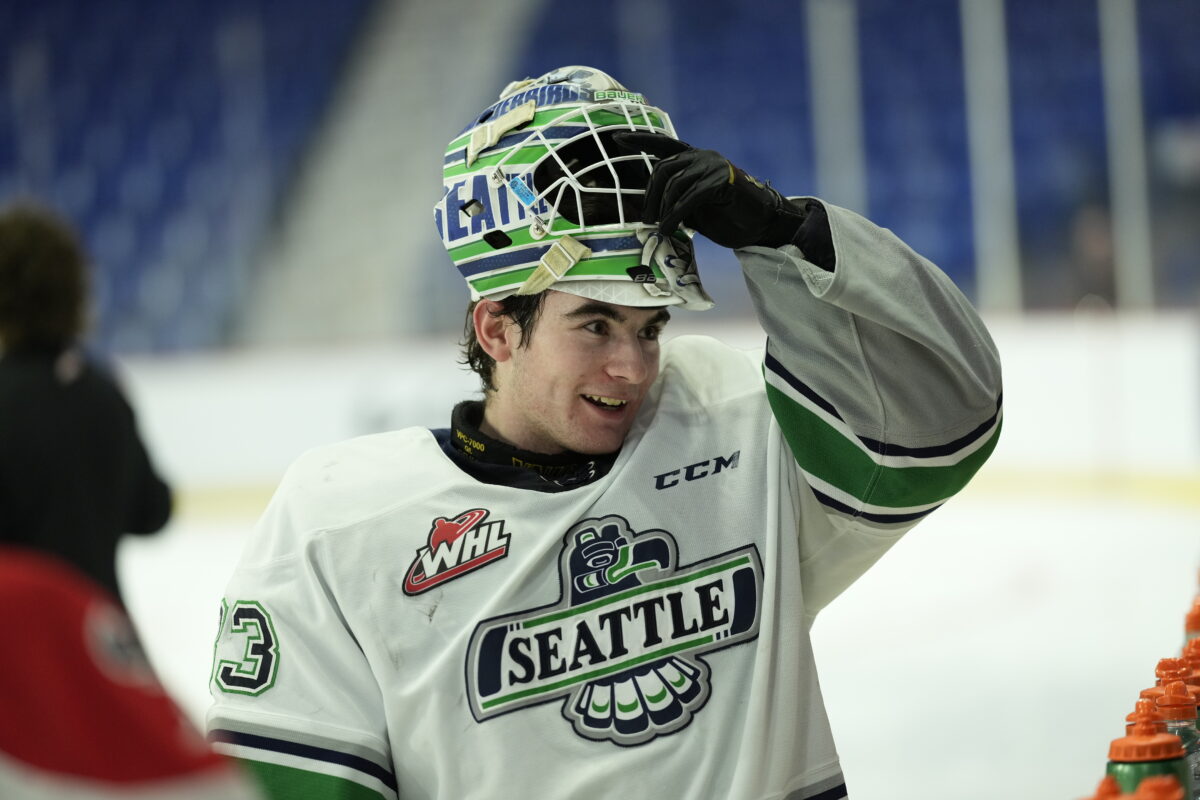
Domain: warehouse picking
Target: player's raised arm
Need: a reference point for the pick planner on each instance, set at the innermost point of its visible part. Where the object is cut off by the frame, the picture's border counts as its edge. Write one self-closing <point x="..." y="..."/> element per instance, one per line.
<point x="881" y="376"/>
<point x="881" y="352"/>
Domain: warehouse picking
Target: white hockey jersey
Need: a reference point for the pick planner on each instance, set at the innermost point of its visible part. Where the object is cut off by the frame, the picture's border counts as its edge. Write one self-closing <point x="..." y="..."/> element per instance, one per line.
<point x="398" y="629"/>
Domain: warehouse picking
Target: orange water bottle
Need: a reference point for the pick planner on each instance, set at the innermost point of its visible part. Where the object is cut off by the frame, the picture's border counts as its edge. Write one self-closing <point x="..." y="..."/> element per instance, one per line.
<point x="1146" y="708"/>
<point x="1171" y="669"/>
<point x="1167" y="671"/>
<point x="1191" y="624"/>
<point x="1191" y="657"/>
<point x="1146" y="752"/>
<point x="1178" y="709"/>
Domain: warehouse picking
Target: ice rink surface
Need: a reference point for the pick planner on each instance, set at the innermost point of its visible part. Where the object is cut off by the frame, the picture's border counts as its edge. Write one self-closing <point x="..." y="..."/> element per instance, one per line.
<point x="993" y="653"/>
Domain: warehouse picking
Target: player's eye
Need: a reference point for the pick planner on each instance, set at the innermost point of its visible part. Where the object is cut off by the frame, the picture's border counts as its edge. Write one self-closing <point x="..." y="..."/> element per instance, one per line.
<point x="597" y="326"/>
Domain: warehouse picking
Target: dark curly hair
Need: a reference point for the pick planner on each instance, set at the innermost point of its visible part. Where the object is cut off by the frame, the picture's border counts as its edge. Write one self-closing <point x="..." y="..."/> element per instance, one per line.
<point x="523" y="310"/>
<point x="43" y="279"/>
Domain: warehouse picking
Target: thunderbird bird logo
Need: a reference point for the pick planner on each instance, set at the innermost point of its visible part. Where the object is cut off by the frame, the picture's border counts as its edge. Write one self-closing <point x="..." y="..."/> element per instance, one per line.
<point x="622" y="647"/>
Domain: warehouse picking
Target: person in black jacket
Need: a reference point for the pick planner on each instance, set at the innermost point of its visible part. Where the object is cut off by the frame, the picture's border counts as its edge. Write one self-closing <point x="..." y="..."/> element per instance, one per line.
<point x="74" y="473"/>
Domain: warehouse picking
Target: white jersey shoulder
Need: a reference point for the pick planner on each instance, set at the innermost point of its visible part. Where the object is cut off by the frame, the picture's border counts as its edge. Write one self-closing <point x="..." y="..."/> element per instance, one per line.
<point x="339" y="485"/>
<point x="701" y="370"/>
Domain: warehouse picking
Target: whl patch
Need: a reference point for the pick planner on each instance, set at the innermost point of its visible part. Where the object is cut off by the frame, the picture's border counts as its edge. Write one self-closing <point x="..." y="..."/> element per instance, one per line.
<point x="622" y="646"/>
<point x="455" y="547"/>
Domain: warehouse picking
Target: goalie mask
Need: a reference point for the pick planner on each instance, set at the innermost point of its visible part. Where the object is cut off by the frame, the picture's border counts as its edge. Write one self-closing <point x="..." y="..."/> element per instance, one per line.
<point x="538" y="196"/>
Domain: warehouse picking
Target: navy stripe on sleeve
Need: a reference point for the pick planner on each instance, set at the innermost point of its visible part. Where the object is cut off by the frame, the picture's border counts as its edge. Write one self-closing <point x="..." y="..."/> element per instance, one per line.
<point x="358" y="763"/>
<point x="838" y="505"/>
<point x="800" y="386"/>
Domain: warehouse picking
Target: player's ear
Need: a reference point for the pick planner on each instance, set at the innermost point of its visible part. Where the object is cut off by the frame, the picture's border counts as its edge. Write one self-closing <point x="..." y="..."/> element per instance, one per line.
<point x="495" y="331"/>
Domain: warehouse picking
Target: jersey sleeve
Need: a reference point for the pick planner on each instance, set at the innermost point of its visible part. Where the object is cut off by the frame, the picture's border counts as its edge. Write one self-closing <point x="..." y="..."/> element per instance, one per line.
<point x="294" y="697"/>
<point x="884" y="382"/>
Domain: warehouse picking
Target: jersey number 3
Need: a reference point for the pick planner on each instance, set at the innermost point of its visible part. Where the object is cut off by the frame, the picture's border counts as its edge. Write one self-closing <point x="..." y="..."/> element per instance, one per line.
<point x="251" y="635"/>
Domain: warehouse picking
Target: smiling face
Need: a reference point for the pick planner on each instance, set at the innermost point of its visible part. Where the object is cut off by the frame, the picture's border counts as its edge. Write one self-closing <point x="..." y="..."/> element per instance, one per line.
<point x="577" y="380"/>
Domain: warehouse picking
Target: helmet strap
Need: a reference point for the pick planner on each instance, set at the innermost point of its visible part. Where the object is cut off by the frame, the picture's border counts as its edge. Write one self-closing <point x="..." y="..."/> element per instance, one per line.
<point x="490" y="132"/>
<point x="555" y="263"/>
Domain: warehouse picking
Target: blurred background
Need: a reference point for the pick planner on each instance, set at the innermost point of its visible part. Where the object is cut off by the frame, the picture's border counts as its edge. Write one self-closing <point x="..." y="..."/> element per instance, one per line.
<point x="254" y="180"/>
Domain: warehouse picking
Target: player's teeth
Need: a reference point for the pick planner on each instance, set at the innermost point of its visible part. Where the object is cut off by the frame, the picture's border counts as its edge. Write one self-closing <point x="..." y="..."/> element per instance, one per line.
<point x="605" y="401"/>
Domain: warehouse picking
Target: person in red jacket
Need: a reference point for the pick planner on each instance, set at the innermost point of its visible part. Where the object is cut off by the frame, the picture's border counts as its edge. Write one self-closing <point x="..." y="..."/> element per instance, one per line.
<point x="82" y="714"/>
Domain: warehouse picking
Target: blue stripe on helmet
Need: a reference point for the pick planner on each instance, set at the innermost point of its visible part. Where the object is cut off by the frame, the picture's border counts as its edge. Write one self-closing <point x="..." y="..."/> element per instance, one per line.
<point x="543" y="95"/>
<point x="532" y="255"/>
<point x="553" y="133"/>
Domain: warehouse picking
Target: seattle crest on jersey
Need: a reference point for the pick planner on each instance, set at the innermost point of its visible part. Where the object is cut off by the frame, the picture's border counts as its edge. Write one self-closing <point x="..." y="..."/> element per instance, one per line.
<point x="623" y="643"/>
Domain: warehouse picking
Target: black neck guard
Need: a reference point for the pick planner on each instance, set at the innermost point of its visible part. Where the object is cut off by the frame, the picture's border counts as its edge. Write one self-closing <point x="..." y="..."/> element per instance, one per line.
<point x="494" y="461"/>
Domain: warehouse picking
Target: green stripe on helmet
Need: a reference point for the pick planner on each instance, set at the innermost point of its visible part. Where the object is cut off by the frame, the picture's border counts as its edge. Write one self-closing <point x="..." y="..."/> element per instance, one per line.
<point x="610" y="265"/>
<point x="604" y="119"/>
<point x="539" y="120"/>
<point x="524" y="154"/>
<point x="520" y="238"/>
<point x="555" y="114"/>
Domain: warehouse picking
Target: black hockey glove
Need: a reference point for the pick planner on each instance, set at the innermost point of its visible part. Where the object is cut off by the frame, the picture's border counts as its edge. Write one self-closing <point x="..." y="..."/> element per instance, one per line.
<point x="705" y="192"/>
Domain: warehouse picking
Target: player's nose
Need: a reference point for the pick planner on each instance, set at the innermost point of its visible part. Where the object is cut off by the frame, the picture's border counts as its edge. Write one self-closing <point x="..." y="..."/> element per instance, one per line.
<point x="630" y="360"/>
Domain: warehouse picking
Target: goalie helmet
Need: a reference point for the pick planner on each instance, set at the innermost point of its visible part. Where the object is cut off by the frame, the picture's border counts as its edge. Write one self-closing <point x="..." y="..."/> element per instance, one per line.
<point x="538" y="195"/>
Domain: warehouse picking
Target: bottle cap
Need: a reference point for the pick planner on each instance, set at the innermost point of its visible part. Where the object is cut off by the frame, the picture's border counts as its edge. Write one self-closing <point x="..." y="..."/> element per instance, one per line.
<point x="1191" y="657"/>
<point x="1191" y="653"/>
<point x="1153" y="693"/>
<point x="1146" y="708"/>
<point x="1159" y="787"/>
<point x="1144" y="743"/>
<point x="1192" y="620"/>
<point x="1175" y="702"/>
<point x="1171" y="669"/>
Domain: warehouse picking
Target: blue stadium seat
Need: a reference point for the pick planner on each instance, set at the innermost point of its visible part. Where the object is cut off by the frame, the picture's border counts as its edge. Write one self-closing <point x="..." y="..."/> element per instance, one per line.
<point x="138" y="144"/>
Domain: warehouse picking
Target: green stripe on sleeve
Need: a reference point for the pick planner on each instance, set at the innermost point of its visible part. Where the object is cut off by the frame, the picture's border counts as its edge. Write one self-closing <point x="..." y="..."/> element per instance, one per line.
<point x="289" y="783"/>
<point x="821" y="450"/>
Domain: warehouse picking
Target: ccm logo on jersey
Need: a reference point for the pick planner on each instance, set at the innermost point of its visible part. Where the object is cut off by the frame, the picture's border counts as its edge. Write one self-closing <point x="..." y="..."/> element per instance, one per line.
<point x="694" y="472"/>
<point x="456" y="546"/>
